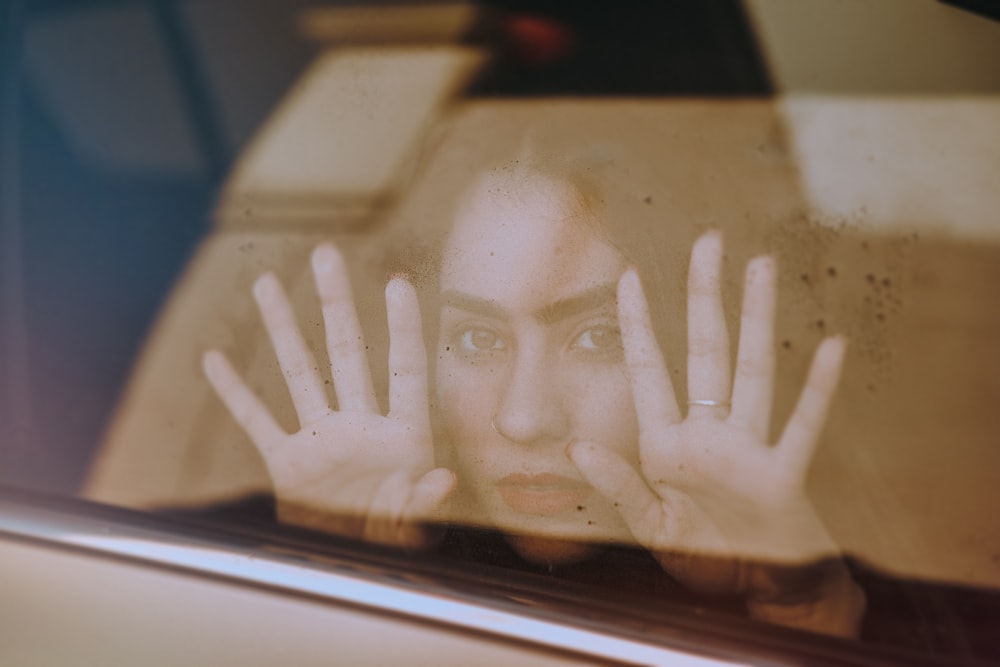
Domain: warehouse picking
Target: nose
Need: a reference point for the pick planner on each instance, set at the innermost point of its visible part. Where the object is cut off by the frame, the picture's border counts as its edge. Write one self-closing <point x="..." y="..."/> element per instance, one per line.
<point x="532" y="409"/>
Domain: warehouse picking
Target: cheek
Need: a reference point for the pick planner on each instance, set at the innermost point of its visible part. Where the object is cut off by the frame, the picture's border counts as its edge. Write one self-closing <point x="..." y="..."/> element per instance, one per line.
<point x="468" y="396"/>
<point x="605" y="411"/>
<point x="467" y="399"/>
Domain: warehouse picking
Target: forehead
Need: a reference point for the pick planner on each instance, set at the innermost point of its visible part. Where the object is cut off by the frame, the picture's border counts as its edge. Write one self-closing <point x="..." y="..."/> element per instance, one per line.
<point x="522" y="238"/>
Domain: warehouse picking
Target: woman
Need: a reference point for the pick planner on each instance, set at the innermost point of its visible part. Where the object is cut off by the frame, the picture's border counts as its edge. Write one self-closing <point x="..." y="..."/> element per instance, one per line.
<point x="555" y="418"/>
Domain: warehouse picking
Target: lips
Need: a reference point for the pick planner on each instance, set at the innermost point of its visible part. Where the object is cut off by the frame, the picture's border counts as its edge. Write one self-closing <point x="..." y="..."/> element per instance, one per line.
<point x="542" y="494"/>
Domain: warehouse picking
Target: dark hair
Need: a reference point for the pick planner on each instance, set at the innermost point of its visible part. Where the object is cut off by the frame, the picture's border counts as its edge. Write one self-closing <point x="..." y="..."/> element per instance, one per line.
<point x="651" y="209"/>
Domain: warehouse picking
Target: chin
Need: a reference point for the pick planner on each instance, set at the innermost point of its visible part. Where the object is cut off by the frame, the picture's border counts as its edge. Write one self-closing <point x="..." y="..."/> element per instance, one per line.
<point x="551" y="551"/>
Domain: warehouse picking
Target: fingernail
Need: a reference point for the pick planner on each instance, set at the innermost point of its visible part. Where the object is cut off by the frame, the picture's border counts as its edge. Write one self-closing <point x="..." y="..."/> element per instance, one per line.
<point x="835" y="345"/>
<point x="323" y="258"/>
<point x="569" y="450"/>
<point x="709" y="241"/>
<point x="266" y="286"/>
<point x="397" y="286"/>
<point x="630" y="279"/>
<point x="759" y="264"/>
<point x="401" y="280"/>
<point x="210" y="362"/>
<point x="577" y="448"/>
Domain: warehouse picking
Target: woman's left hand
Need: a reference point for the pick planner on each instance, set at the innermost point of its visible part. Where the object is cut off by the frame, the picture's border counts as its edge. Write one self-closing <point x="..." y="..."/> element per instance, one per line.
<point x="712" y="494"/>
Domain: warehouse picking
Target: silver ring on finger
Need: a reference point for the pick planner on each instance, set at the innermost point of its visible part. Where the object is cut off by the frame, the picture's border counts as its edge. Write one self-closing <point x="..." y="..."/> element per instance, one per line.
<point x="709" y="403"/>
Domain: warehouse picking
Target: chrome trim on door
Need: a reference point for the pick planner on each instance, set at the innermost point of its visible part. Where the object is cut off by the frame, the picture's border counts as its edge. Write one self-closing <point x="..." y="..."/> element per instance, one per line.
<point x="324" y="581"/>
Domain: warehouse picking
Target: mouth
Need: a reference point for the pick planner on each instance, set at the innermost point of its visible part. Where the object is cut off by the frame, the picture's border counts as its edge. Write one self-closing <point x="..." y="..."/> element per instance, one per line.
<point x="543" y="494"/>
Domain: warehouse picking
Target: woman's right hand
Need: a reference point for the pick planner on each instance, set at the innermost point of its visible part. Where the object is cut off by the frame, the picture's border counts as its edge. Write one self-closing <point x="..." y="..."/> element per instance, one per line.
<point x="351" y="471"/>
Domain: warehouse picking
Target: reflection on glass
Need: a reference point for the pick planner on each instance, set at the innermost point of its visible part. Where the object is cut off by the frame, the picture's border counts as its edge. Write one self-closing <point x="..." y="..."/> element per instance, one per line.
<point x="522" y="416"/>
<point x="555" y="414"/>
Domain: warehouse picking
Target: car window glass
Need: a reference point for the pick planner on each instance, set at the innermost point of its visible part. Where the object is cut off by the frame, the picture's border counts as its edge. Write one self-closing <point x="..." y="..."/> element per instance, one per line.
<point x="564" y="266"/>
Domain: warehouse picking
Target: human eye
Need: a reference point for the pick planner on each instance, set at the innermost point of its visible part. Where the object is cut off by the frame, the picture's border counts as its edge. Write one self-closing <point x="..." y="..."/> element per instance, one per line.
<point x="601" y="339"/>
<point x="480" y="340"/>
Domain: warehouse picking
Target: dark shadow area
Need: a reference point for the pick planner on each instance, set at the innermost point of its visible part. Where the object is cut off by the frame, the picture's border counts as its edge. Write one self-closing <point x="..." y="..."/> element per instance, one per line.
<point x="633" y="48"/>
<point x="988" y="8"/>
<point x="908" y="621"/>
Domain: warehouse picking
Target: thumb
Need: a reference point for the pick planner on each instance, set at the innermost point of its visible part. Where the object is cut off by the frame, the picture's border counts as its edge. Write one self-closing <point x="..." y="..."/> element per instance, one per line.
<point x="619" y="482"/>
<point x="428" y="502"/>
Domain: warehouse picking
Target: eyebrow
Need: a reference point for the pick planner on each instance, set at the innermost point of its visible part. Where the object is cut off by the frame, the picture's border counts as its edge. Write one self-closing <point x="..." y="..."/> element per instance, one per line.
<point x="588" y="299"/>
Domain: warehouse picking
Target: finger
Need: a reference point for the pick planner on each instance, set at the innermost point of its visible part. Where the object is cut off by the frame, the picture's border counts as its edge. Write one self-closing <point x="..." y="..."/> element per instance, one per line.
<point x="708" y="341"/>
<point x="753" y="387"/>
<point x="806" y="423"/>
<point x="655" y="403"/>
<point x="620" y="483"/>
<point x="248" y="411"/>
<point x="429" y="497"/>
<point x="384" y="514"/>
<point x="344" y="341"/>
<point x="407" y="355"/>
<point x="297" y="363"/>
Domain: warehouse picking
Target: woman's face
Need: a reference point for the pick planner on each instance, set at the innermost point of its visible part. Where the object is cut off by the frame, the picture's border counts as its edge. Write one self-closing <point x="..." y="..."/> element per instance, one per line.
<point x="529" y="360"/>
